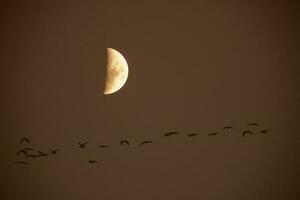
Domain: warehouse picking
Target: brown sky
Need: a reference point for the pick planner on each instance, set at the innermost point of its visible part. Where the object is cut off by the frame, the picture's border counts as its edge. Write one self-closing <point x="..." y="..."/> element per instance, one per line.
<point x="194" y="66"/>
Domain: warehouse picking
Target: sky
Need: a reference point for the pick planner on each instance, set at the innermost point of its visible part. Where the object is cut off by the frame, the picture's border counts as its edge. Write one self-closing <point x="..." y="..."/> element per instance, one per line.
<point x="194" y="67"/>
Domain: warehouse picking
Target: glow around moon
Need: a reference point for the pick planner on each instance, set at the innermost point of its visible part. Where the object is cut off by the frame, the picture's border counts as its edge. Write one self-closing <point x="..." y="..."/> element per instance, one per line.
<point x="116" y="71"/>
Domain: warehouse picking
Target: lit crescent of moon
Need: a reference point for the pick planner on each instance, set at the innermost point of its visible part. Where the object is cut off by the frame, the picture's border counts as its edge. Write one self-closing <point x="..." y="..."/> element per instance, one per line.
<point x="116" y="71"/>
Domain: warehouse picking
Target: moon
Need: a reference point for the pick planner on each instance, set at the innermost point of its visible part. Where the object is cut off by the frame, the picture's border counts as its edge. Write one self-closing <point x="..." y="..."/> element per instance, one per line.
<point x="116" y="71"/>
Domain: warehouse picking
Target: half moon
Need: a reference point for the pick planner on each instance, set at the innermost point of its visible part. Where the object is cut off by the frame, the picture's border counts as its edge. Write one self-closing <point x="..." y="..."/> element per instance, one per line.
<point x="116" y="71"/>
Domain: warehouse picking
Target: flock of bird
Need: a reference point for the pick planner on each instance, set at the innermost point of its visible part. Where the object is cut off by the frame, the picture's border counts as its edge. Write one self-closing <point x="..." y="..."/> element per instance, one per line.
<point x="32" y="153"/>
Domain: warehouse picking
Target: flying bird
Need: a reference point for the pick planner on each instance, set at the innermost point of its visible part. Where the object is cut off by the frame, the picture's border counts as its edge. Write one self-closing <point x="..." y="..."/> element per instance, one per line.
<point x="31" y="156"/>
<point x="171" y="133"/>
<point x="264" y="131"/>
<point x="192" y="135"/>
<point x="54" y="151"/>
<point x="93" y="161"/>
<point x="21" y="163"/>
<point x="227" y="127"/>
<point x="24" y="140"/>
<point x="28" y="149"/>
<point x="82" y="145"/>
<point x="145" y="142"/>
<point x="213" y="134"/>
<point x="247" y="131"/>
<point x="253" y="124"/>
<point x="124" y="142"/>
<point x="22" y="151"/>
<point x="103" y="146"/>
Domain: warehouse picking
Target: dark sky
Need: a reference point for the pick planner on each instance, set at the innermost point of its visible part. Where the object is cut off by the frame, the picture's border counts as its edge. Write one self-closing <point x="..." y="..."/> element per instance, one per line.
<point x="193" y="67"/>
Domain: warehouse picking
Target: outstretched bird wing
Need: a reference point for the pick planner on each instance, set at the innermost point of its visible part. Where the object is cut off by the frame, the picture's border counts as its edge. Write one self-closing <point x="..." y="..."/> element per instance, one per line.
<point x="253" y="124"/>
<point x="21" y="162"/>
<point x="84" y="143"/>
<point x="103" y="146"/>
<point x="145" y="142"/>
<point x="42" y="154"/>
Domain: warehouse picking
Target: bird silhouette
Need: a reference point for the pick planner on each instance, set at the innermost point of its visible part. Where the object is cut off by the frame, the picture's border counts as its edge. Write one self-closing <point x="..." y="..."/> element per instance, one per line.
<point x="145" y="142"/>
<point x="213" y="134"/>
<point x="103" y="146"/>
<point x="31" y="156"/>
<point x="253" y="124"/>
<point x="264" y="131"/>
<point x="24" y="140"/>
<point x="21" y="163"/>
<point x="54" y="151"/>
<point x="82" y="145"/>
<point x="124" y="142"/>
<point x="22" y="151"/>
<point x="247" y="131"/>
<point x="192" y="135"/>
<point x="93" y="161"/>
<point x="171" y="133"/>
<point x="227" y="127"/>
<point x="42" y="154"/>
<point x="28" y="149"/>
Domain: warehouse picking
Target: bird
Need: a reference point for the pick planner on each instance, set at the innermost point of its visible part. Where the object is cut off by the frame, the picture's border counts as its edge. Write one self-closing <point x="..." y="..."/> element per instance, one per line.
<point x="145" y="142"/>
<point x="54" y="151"/>
<point x="171" y="133"/>
<point x="264" y="131"/>
<point x="192" y="135"/>
<point x="103" y="146"/>
<point x="24" y="140"/>
<point x="28" y="149"/>
<point x="227" y="127"/>
<point x="213" y="134"/>
<point x="42" y="154"/>
<point x="124" y="142"/>
<point x="247" y="131"/>
<point x="31" y="156"/>
<point x="93" y="161"/>
<point x="21" y="163"/>
<point x="82" y="145"/>
<point x="253" y="124"/>
<point x="22" y="151"/>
